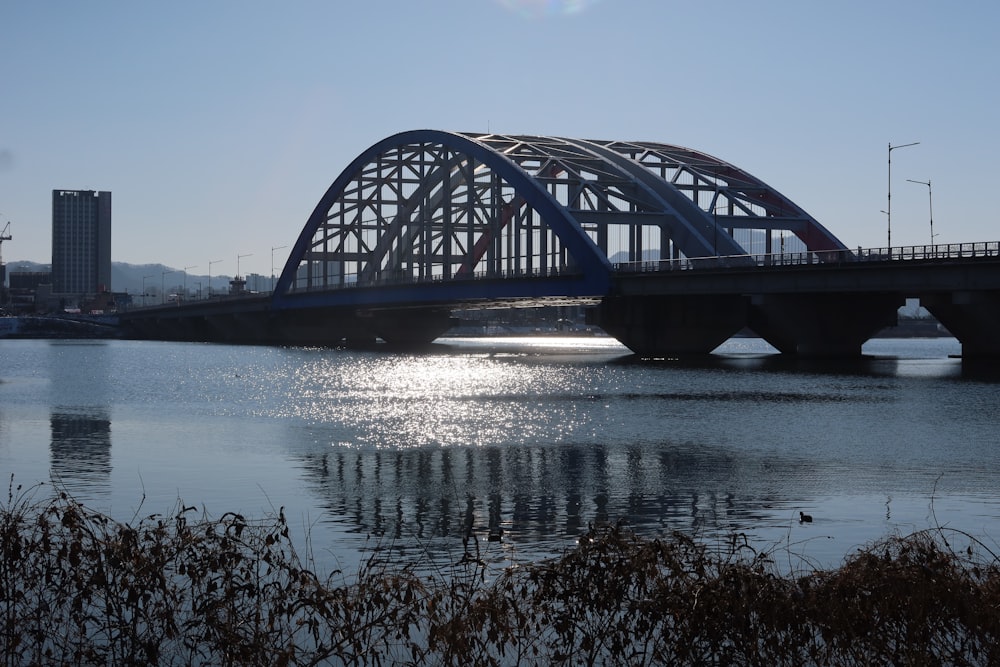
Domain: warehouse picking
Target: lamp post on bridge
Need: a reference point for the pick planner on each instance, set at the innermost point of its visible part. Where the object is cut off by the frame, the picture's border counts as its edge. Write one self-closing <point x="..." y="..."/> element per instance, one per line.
<point x="194" y="266"/>
<point x="238" y="278"/>
<point x="238" y="258"/>
<point x="888" y="250"/>
<point x="163" y="295"/>
<point x="930" y="204"/>
<point x="888" y="210"/>
<point x="214" y="261"/>
<point x="280" y="247"/>
<point x="144" y="288"/>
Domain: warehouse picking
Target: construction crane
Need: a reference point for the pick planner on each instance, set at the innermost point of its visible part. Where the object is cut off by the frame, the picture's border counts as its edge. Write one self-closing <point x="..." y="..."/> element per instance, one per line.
<point x="4" y="236"/>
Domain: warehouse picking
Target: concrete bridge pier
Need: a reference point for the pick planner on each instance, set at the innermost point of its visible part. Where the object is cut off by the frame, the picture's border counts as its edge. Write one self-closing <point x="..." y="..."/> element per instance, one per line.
<point x="200" y="329"/>
<point x="671" y="325"/>
<point x="236" y="327"/>
<point x="409" y="326"/>
<point x="172" y="328"/>
<point x="322" y="327"/>
<point x="190" y="329"/>
<point x="822" y="325"/>
<point x="971" y="317"/>
<point x="361" y="328"/>
<point x="219" y="328"/>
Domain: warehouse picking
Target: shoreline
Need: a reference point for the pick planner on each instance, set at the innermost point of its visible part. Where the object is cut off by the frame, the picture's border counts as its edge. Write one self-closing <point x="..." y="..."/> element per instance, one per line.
<point x="106" y="327"/>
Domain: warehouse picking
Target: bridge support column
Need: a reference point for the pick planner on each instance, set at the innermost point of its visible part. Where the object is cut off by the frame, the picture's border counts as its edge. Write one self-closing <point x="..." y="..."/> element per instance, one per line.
<point x="187" y="329"/>
<point x="320" y="326"/>
<point x="971" y="317"/>
<point x="822" y="325"/>
<point x="670" y="326"/>
<point x="346" y="325"/>
<point x="243" y="328"/>
<point x="411" y="326"/>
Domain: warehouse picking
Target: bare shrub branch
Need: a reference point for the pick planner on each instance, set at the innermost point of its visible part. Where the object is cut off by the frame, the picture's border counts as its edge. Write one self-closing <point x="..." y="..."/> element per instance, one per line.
<point x="77" y="587"/>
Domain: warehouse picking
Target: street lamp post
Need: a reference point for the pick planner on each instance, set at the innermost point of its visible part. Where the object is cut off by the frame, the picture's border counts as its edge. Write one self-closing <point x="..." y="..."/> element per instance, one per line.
<point x="886" y="213"/>
<point x="280" y="247"/>
<point x="715" y="218"/>
<point x="715" y="232"/>
<point x="144" y="288"/>
<point x="930" y="204"/>
<point x="193" y="266"/>
<point x="888" y="210"/>
<point x="214" y="261"/>
<point x="163" y="296"/>
<point x="238" y="258"/>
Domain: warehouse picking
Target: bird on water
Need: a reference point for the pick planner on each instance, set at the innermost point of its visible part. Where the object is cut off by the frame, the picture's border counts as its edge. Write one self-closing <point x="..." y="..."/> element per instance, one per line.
<point x="805" y="518"/>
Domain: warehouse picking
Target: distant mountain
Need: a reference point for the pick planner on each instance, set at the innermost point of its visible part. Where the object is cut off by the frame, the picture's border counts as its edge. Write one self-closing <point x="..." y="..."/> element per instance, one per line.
<point x="26" y="266"/>
<point x="129" y="278"/>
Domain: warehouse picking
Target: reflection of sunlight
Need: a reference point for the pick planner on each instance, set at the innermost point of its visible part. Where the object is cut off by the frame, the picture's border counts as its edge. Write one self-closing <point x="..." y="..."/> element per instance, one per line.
<point x="415" y="401"/>
<point x="531" y="343"/>
<point x="542" y="8"/>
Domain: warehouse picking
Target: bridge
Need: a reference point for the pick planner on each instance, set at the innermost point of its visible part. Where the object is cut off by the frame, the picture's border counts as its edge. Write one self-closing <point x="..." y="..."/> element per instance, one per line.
<point x="674" y="250"/>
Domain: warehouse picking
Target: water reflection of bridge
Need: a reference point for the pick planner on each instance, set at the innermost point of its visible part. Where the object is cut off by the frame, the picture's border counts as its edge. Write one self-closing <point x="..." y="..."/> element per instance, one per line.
<point x="676" y="251"/>
<point x="430" y="498"/>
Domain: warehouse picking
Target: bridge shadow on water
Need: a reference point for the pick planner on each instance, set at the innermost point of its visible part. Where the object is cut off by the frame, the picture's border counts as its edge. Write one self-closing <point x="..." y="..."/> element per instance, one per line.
<point x="981" y="370"/>
<point x="866" y="365"/>
<point x="771" y="363"/>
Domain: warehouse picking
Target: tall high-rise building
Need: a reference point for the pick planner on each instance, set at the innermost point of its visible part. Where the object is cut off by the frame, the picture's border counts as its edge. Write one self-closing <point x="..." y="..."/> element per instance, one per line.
<point x="81" y="242"/>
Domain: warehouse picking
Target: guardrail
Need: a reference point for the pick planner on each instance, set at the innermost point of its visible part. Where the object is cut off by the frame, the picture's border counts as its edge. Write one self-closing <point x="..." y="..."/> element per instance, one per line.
<point x="388" y="279"/>
<point x="824" y="257"/>
<point x="350" y="281"/>
<point x="949" y="251"/>
<point x="942" y="252"/>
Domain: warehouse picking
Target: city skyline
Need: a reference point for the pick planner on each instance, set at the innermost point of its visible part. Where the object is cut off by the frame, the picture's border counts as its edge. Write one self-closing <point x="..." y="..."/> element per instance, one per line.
<point x="220" y="127"/>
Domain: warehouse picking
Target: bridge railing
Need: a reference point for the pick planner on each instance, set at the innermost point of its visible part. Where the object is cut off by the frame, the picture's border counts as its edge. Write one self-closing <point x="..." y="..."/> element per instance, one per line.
<point x="950" y="251"/>
<point x="389" y="279"/>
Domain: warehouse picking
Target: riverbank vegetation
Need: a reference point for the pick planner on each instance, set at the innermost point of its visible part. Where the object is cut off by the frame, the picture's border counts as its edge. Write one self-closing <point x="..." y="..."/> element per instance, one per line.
<point x="77" y="587"/>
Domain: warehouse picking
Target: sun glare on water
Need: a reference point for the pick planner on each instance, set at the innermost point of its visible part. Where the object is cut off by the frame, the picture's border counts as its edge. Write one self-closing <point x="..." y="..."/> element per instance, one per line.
<point x="405" y="401"/>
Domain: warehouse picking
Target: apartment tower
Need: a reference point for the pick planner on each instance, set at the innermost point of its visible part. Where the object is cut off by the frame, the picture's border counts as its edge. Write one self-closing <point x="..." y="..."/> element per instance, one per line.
<point x="81" y="242"/>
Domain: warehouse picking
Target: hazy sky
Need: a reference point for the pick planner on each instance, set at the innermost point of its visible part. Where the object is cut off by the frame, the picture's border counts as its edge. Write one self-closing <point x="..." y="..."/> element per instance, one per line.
<point x="219" y="124"/>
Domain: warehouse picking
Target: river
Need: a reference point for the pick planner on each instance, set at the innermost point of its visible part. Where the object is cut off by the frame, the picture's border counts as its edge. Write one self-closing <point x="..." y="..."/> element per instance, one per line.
<point x="399" y="452"/>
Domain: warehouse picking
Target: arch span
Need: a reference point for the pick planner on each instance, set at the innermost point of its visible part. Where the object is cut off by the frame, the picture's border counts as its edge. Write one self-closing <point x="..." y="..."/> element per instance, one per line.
<point x="451" y="209"/>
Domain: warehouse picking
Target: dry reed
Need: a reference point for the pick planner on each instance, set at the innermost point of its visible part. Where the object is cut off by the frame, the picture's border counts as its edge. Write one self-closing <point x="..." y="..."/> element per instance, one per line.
<point x="78" y="588"/>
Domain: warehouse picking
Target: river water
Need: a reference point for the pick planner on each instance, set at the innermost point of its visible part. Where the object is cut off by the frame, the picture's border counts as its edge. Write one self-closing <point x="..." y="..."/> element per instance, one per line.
<point x="399" y="452"/>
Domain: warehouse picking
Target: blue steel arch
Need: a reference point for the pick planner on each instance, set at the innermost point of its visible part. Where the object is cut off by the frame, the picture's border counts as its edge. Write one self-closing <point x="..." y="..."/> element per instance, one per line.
<point x="747" y="202"/>
<point x="593" y="267"/>
<point x="587" y="204"/>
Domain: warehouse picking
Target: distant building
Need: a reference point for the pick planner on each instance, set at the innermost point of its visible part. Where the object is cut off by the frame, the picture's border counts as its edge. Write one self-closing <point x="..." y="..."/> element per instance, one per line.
<point x="29" y="280"/>
<point x="29" y="291"/>
<point x="81" y="242"/>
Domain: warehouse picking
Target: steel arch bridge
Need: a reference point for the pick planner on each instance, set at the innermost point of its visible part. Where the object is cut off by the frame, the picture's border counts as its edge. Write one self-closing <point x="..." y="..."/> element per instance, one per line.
<point x="430" y="216"/>
<point x="427" y="222"/>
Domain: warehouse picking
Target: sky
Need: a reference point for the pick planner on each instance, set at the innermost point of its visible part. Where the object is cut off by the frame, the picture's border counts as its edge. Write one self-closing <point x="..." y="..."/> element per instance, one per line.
<point x="218" y="125"/>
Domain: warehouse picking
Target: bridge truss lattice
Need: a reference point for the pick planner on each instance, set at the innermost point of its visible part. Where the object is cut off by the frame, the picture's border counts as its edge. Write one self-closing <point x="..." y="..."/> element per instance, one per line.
<point x="440" y="206"/>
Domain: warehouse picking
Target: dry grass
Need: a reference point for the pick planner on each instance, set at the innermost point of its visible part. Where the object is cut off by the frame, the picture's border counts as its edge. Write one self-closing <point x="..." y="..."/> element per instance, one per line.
<point x="78" y="588"/>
